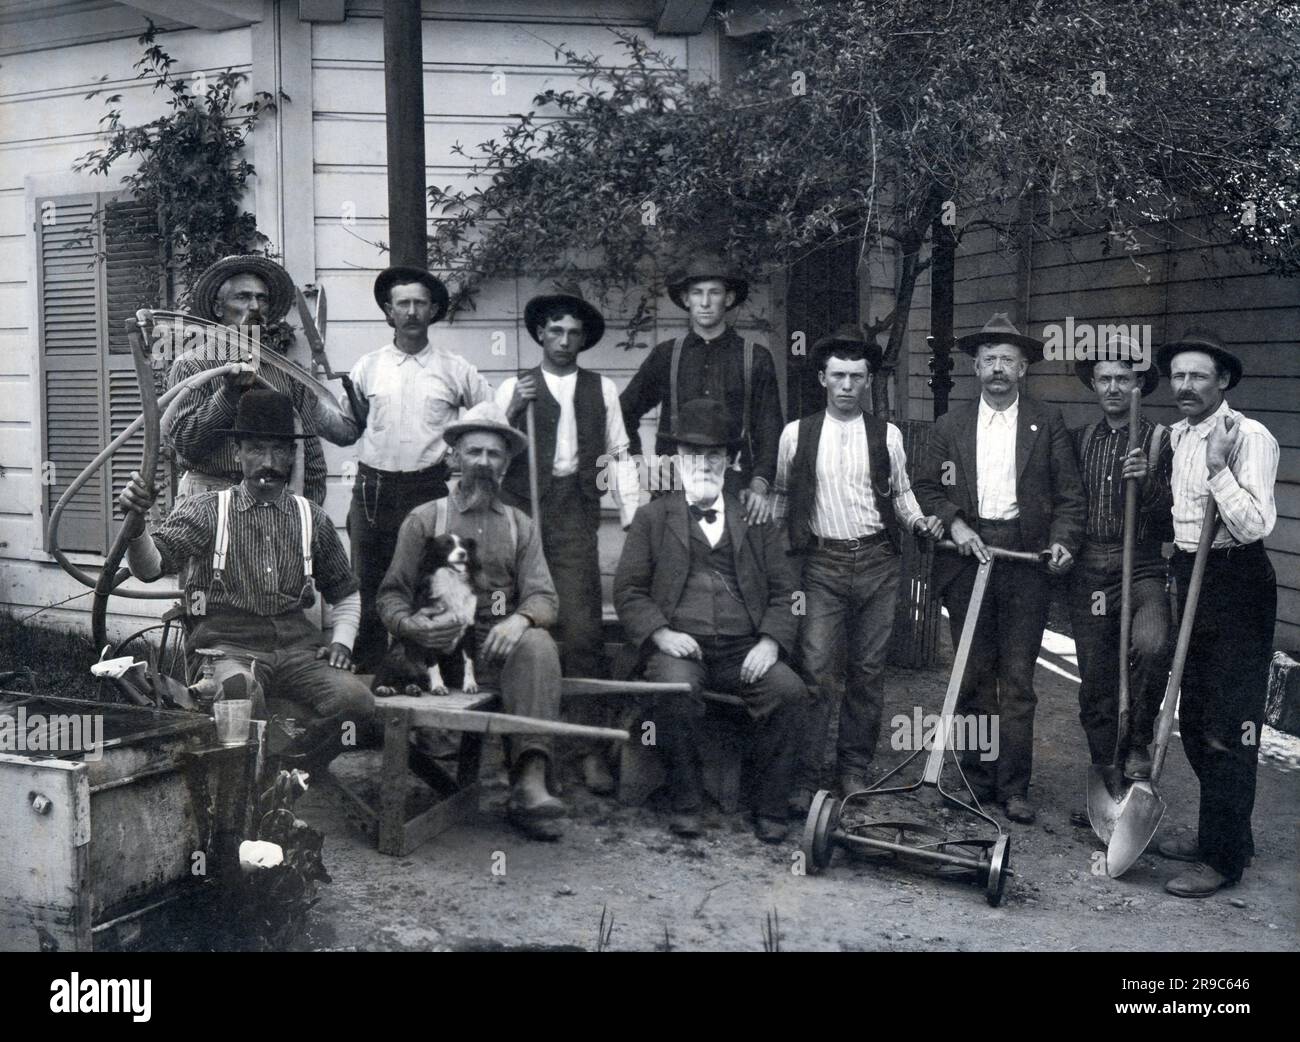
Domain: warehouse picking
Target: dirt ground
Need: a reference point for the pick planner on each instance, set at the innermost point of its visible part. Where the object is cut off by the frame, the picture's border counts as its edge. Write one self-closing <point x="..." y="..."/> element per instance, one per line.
<point x="719" y="892"/>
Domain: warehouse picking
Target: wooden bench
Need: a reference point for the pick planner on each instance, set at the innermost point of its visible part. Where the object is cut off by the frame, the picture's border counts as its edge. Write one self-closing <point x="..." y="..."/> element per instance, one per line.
<point x="471" y="716"/>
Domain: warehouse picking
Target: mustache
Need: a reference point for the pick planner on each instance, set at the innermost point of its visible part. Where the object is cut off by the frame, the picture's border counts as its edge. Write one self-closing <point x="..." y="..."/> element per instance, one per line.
<point x="479" y="484"/>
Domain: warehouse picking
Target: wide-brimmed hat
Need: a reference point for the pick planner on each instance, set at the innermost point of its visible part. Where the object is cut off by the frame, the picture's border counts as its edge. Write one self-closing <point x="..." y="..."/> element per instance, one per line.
<point x="279" y="285"/>
<point x="1120" y="348"/>
<point x="390" y="277"/>
<point x="593" y="322"/>
<point x="1201" y="339"/>
<point x="1000" y="330"/>
<point x="848" y="335"/>
<point x="486" y="416"/>
<point x="263" y="413"/>
<point x="703" y="422"/>
<point x="706" y="266"/>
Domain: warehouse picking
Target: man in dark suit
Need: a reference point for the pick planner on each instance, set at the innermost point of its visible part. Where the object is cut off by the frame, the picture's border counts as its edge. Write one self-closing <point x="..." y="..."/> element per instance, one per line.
<point x="1001" y="472"/>
<point x="709" y="600"/>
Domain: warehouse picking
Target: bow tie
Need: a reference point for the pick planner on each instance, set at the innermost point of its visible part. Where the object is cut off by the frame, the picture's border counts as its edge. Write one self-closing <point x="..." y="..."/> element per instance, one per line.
<point x="701" y="514"/>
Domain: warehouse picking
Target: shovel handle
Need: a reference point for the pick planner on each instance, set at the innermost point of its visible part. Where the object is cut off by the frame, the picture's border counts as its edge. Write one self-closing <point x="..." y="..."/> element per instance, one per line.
<point x="533" y="496"/>
<point x="1126" y="577"/>
<point x="1170" y="706"/>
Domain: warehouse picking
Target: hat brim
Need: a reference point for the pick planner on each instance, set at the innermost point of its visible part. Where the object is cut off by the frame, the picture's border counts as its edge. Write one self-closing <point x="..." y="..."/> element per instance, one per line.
<point x="279" y="286"/>
<point x="1032" y="348"/>
<point x="1166" y="352"/>
<point x="515" y="441"/>
<point x="593" y="322"/>
<point x="873" y="353"/>
<point x="390" y="277"/>
<point x="1150" y="376"/>
<point x="677" y="287"/>
<point x="701" y="441"/>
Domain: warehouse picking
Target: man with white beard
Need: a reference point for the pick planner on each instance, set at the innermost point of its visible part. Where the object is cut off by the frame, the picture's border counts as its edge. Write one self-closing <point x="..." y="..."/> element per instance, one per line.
<point x="708" y="600"/>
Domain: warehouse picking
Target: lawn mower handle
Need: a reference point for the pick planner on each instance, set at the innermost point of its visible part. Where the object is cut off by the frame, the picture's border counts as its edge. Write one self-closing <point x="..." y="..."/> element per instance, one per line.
<point x="1028" y="556"/>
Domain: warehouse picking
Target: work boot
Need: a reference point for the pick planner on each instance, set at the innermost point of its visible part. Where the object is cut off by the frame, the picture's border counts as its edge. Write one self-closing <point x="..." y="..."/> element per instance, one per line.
<point x="1198" y="881"/>
<point x="1019" y="809"/>
<point x="596" y="775"/>
<point x="770" y="830"/>
<point x="1185" y="847"/>
<point x="852" y="779"/>
<point x="686" y="824"/>
<point x="798" y="804"/>
<point x="1137" y="764"/>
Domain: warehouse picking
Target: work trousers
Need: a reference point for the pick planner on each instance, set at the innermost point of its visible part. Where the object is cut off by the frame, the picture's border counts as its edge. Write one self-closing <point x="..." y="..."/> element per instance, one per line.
<point x="999" y="678"/>
<point x="844" y="640"/>
<point x="1095" y="598"/>
<point x="777" y="703"/>
<point x="273" y="659"/>
<point x="1225" y="680"/>
<point x="380" y="502"/>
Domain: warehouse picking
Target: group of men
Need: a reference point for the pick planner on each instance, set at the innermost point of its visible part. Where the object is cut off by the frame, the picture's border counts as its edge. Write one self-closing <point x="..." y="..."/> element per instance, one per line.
<point x="767" y="566"/>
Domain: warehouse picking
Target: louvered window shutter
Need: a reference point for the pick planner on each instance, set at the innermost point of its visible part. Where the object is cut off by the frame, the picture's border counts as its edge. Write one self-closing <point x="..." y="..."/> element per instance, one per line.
<point x="90" y="391"/>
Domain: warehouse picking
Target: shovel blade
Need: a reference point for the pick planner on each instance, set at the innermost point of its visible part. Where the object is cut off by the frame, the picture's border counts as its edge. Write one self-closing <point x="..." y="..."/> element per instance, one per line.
<point x="1106" y="791"/>
<point x="1139" y="817"/>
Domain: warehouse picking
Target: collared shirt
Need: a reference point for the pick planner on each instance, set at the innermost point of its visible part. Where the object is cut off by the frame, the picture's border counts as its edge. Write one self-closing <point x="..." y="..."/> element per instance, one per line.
<point x="995" y="461"/>
<point x="203" y="413"/>
<point x="1102" y="468"/>
<point x="411" y="400"/>
<point x="714" y="529"/>
<point x="844" y="506"/>
<point x="1243" y="489"/>
<point x="713" y="369"/>
<point x="626" y="487"/>
<point x="513" y="576"/>
<point x="264" y="572"/>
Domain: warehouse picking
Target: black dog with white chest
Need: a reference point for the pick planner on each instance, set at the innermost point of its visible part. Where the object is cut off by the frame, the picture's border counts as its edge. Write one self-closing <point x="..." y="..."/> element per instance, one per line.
<point x="448" y="571"/>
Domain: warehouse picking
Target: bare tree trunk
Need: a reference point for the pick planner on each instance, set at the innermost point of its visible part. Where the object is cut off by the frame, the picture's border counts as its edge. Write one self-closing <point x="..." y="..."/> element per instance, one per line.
<point x="897" y="331"/>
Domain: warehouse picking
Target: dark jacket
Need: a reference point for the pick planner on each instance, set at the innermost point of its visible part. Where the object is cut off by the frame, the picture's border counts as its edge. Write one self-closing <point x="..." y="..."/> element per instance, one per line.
<point x="657" y="558"/>
<point x="1049" y="493"/>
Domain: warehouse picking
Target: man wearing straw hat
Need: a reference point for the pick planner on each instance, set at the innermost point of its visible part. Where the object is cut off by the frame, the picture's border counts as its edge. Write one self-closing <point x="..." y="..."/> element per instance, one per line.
<point x="516" y="602"/>
<point x="409" y="391"/>
<point x="713" y="362"/>
<point x="246" y="292"/>
<point x="260" y="554"/>
<point x="1105" y="465"/>
<point x="582" y="450"/>
<point x="1001" y="471"/>
<point x="1220" y="453"/>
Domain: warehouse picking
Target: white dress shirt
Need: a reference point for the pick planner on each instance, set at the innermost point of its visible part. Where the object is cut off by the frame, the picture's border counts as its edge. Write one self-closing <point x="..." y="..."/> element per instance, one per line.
<point x="1243" y="489"/>
<point x="844" y="506"/>
<point x="625" y="486"/>
<point x="995" y="461"/>
<point x="412" y="399"/>
<point x="713" y="529"/>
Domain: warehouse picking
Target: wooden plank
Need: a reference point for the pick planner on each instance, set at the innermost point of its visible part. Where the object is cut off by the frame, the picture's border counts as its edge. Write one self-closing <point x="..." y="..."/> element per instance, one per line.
<point x="394" y="780"/>
<point x="452" y="811"/>
<point x="571" y="687"/>
<point x="505" y="723"/>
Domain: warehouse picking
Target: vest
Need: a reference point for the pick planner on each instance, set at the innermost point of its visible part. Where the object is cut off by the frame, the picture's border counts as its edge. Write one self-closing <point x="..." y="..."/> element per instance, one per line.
<point x="589" y="417"/>
<point x="710" y="604"/>
<point x="803" y="480"/>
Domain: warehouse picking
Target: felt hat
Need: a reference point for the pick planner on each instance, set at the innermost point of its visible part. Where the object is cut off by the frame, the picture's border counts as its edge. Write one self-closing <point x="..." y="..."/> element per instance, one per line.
<point x="593" y="322"/>
<point x="703" y="422"/>
<point x="486" y="416"/>
<point x="390" y="277"/>
<point x="263" y="413"/>
<point x="1201" y="339"/>
<point x="1000" y="330"/>
<point x="1120" y="348"/>
<point x="849" y="335"/>
<point x="702" y="266"/>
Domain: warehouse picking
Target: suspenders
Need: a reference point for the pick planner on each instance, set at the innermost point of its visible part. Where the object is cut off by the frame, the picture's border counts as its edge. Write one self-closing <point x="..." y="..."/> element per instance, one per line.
<point x="674" y="365"/>
<point x="221" y="548"/>
<point x="440" y="522"/>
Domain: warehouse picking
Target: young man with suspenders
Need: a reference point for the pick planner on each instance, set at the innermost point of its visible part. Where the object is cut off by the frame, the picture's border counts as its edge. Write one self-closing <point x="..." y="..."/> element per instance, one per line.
<point x="714" y="363"/>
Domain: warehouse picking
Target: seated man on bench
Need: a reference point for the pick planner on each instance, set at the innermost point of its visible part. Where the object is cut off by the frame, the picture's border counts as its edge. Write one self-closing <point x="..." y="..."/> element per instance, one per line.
<point x="708" y="600"/>
<point x="516" y="602"/>
<point x="260" y="553"/>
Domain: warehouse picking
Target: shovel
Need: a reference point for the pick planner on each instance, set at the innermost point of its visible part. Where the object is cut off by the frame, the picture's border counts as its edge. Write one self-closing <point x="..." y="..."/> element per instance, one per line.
<point x="1106" y="786"/>
<point x="1142" y="808"/>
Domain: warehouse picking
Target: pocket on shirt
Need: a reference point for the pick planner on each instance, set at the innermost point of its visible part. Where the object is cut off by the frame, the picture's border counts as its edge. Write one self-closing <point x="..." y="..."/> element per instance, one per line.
<point x="377" y="418"/>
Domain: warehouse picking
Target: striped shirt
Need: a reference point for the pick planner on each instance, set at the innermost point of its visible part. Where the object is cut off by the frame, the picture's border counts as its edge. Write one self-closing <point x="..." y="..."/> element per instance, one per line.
<point x="202" y="414"/>
<point x="995" y="461"/>
<point x="264" y="573"/>
<point x="843" y="505"/>
<point x="1243" y="489"/>
<point x="410" y="400"/>
<point x="1101" y="466"/>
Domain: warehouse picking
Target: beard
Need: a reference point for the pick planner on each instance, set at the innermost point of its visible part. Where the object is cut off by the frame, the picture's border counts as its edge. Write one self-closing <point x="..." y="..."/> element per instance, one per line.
<point x="700" y="483"/>
<point x="478" y="487"/>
